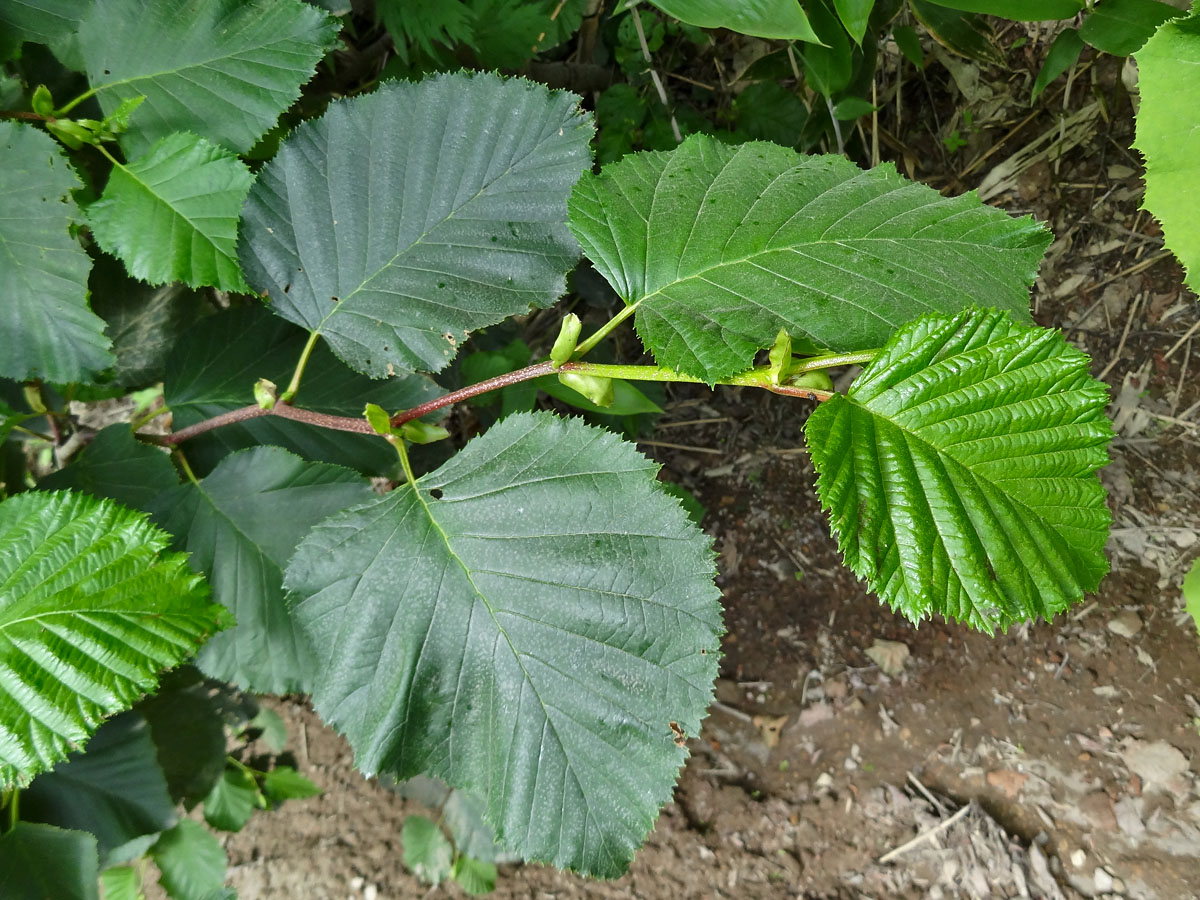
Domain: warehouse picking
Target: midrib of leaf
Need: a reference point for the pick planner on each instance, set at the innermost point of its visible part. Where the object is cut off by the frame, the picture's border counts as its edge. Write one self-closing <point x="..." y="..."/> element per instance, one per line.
<point x="516" y="657"/>
<point x="200" y="64"/>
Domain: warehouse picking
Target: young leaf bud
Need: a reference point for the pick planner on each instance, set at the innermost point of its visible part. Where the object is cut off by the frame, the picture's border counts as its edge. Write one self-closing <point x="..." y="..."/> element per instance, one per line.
<point x="568" y="337"/>
<point x="598" y="390"/>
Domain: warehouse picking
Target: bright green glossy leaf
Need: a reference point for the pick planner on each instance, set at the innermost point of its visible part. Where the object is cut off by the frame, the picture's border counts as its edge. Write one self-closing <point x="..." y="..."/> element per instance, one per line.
<point x="761" y="18"/>
<point x="720" y="247"/>
<point x="1168" y="135"/>
<point x="855" y="15"/>
<point x="118" y="466"/>
<point x="526" y="624"/>
<point x="959" y="471"/>
<point x="1063" y="54"/>
<point x="828" y="65"/>
<point x="1121" y="27"/>
<point x="231" y="801"/>
<point x="191" y="862"/>
<point x="460" y="225"/>
<point x="121" y="883"/>
<point x="49" y="332"/>
<point x="1020" y="10"/>
<point x="114" y="789"/>
<point x="426" y="851"/>
<point x="222" y="69"/>
<point x="48" y="863"/>
<point x="475" y="876"/>
<point x="91" y="610"/>
<point x="240" y="526"/>
<point x="285" y="783"/>
<point x="1191" y="593"/>
<point x="172" y="213"/>
<point x="213" y="369"/>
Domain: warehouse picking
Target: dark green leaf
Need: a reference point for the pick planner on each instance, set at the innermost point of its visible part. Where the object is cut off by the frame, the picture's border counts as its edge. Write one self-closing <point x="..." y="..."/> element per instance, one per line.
<point x="271" y="729"/>
<point x="540" y="579"/>
<point x="850" y="108"/>
<point x="463" y="223"/>
<point x="113" y="789"/>
<point x="172" y="213"/>
<point x="1063" y="54"/>
<point x="828" y="68"/>
<point x="231" y="801"/>
<point x="720" y="247"/>
<point x="143" y="321"/>
<point x="426" y="851"/>
<point x="767" y="111"/>
<point x="1020" y="10"/>
<point x="41" y="21"/>
<point x="223" y="69"/>
<point x="627" y="400"/>
<point x="285" y="783"/>
<point x="191" y="861"/>
<point x="1121" y="27"/>
<point x="959" y="471"/>
<point x="855" y="14"/>
<point x="41" y="862"/>
<point x="761" y="18"/>
<point x="963" y="33"/>
<point x="188" y="733"/>
<point x="213" y="369"/>
<point x="475" y="876"/>
<point x="909" y="42"/>
<point x="91" y="610"/>
<point x="48" y="330"/>
<point x="118" y="466"/>
<point x="509" y="33"/>
<point x="240" y="526"/>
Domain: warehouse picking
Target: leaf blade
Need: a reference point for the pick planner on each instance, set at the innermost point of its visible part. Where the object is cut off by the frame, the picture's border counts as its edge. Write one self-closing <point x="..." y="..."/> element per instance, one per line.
<point x="761" y="18"/>
<point x="625" y="617"/>
<point x="959" y="471"/>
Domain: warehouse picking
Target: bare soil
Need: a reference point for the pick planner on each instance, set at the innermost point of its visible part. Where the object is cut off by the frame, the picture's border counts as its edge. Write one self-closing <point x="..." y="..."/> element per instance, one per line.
<point x="1056" y="761"/>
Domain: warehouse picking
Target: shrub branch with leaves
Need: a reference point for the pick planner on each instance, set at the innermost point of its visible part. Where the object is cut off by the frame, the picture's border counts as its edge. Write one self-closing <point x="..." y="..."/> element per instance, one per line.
<point x="535" y="620"/>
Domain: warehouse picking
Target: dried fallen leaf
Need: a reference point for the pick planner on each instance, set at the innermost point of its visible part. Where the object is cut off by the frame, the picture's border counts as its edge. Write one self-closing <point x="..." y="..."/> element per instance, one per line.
<point x="890" y="656"/>
<point x="770" y="727"/>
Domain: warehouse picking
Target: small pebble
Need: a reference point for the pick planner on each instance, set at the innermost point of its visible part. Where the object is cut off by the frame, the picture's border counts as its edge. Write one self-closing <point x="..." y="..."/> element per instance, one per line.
<point x="1126" y="624"/>
<point x="1102" y="880"/>
<point x="1078" y="857"/>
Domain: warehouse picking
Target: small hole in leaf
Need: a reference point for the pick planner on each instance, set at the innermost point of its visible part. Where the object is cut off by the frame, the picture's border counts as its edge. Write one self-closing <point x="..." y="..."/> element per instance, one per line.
<point x="107" y="72"/>
<point x="335" y="299"/>
<point x="436" y="493"/>
<point x="287" y="288"/>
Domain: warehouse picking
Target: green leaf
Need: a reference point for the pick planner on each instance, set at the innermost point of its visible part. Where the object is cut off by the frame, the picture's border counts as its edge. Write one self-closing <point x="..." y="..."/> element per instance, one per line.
<point x="761" y="18"/>
<point x="1063" y="54"/>
<point x="118" y="466"/>
<point x="41" y="21"/>
<point x="959" y="471"/>
<point x="1121" y="27"/>
<point x="41" y="862"/>
<point x="224" y="69"/>
<point x="850" y="108"/>
<point x="828" y="65"/>
<point x="121" y="883"/>
<point x="909" y="42"/>
<point x="285" y="783"/>
<point x="509" y="33"/>
<point x="720" y="247"/>
<point x="1168" y="136"/>
<point x="240" y="526"/>
<point x="963" y="33"/>
<point x="213" y="368"/>
<point x="143" y="320"/>
<point x="270" y="728"/>
<point x="91" y="609"/>
<point x="114" y="789"/>
<point x="188" y="733"/>
<point x="462" y="815"/>
<point x="426" y="23"/>
<point x="191" y="861"/>
<point x="526" y="624"/>
<point x="49" y="332"/>
<point x="426" y="851"/>
<point x="767" y="111"/>
<point x="172" y="213"/>
<point x="1020" y="10"/>
<point x="475" y="876"/>
<point x="463" y="223"/>
<point x="627" y="400"/>
<point x="231" y="801"/>
<point x="855" y="15"/>
<point x="1191" y="593"/>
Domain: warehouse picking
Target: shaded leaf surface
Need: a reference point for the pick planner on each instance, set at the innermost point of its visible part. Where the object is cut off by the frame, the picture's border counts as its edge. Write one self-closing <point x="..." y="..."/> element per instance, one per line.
<point x="188" y="732"/>
<point x="722" y="246"/>
<point x="49" y="332"/>
<point x="402" y="220"/>
<point x="240" y="526"/>
<point x="526" y="625"/>
<point x="959" y="471"/>
<point x="1121" y="27"/>
<point x="191" y="862"/>
<point x="113" y="790"/>
<point x="118" y="466"/>
<point x="223" y="69"/>
<point x="761" y="18"/>
<point x="44" y="861"/>
<point x="91" y="610"/>
<point x="172" y="213"/>
<point x="213" y="369"/>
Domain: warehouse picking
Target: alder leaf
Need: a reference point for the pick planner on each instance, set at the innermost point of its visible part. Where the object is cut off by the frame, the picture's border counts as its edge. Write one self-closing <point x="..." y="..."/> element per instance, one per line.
<point x="400" y="221"/>
<point x="91" y="610"/>
<point x="959" y="471"/>
<point x="239" y="526"/>
<point x="536" y="623"/>
<point x="213" y="367"/>
<point x="118" y="466"/>
<point x="44" y="861"/>
<point x="49" y="332"/>
<point x="224" y="69"/>
<point x="720" y="247"/>
<point x="1168" y="136"/>
<point x="761" y="18"/>
<point x="191" y="862"/>
<point x="172" y="213"/>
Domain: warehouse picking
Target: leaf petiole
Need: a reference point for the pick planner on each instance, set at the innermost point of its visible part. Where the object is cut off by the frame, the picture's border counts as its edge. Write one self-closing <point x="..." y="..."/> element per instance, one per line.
<point x="294" y="385"/>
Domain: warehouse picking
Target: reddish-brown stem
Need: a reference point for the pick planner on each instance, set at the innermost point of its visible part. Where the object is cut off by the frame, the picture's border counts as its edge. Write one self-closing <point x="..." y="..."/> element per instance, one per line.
<point x="474" y="390"/>
<point x="18" y="114"/>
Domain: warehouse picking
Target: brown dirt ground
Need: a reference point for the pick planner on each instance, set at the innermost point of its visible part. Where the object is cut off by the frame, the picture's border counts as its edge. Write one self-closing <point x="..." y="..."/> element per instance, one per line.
<point x="1058" y="760"/>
